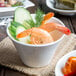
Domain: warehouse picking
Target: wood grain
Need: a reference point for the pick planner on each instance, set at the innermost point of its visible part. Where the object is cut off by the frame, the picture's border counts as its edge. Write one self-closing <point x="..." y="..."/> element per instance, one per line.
<point x="2" y="71"/>
<point x="73" y="21"/>
<point x="33" y="9"/>
<point x="67" y="21"/>
<point x="70" y="22"/>
<point x="10" y="72"/>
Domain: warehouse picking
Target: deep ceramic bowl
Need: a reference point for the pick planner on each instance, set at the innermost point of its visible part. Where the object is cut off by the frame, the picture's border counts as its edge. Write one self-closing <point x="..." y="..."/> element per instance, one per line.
<point x="50" y="4"/>
<point x="62" y="62"/>
<point x="37" y="55"/>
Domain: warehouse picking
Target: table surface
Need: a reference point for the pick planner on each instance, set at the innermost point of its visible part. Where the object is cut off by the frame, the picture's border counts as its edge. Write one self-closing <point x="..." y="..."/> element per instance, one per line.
<point x="69" y="21"/>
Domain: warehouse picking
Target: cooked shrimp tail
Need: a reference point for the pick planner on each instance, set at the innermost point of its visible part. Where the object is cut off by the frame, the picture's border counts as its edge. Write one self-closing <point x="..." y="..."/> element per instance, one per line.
<point x="37" y="36"/>
<point x="64" y="30"/>
<point x="2" y="1"/>
<point x="55" y="26"/>
<point x="40" y="36"/>
<point x="47" y="17"/>
<point x="24" y="33"/>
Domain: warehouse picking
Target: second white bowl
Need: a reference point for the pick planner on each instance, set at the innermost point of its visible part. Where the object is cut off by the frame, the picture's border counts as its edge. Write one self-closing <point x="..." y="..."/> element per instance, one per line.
<point x="50" y="4"/>
<point x="62" y="61"/>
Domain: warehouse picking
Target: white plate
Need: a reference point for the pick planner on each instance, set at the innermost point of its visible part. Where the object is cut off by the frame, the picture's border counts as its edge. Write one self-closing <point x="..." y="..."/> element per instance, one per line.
<point x="26" y="3"/>
<point x="50" y="4"/>
<point x="62" y="61"/>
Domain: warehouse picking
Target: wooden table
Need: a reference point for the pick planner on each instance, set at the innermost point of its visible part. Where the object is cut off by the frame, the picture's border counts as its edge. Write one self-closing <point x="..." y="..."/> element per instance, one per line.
<point x="69" y="21"/>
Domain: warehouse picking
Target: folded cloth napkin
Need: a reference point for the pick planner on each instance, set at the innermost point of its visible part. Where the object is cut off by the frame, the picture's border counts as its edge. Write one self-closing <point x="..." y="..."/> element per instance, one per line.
<point x="10" y="58"/>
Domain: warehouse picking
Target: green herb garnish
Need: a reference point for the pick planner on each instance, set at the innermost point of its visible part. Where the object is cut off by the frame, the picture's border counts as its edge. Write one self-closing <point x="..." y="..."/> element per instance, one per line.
<point x="12" y="30"/>
<point x="17" y="4"/>
<point x="13" y="27"/>
<point x="38" y="17"/>
<point x="27" y="24"/>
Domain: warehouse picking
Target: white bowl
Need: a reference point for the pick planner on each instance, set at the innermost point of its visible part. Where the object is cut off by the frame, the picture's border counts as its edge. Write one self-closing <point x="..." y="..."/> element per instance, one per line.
<point x="61" y="63"/>
<point x="50" y="4"/>
<point x="36" y="55"/>
<point x="26" y="4"/>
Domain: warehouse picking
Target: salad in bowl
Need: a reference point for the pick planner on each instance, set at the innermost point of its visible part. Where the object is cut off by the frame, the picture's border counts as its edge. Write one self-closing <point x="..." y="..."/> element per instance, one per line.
<point x="34" y="31"/>
<point x="36" y="36"/>
<point x="11" y="5"/>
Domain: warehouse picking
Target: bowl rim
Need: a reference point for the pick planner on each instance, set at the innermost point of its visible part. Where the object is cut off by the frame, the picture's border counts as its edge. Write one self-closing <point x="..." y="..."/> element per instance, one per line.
<point x="65" y="57"/>
<point x="59" y="10"/>
<point x="43" y="45"/>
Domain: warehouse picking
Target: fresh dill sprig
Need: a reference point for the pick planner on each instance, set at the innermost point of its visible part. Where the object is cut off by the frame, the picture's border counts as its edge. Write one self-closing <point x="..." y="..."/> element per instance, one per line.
<point x="38" y="17"/>
<point x="17" y="4"/>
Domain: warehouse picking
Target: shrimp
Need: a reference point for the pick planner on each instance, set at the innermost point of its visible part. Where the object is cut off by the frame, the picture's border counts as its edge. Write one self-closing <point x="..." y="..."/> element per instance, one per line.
<point x="55" y="26"/>
<point x="47" y="17"/>
<point x="70" y="66"/>
<point x="2" y="1"/>
<point x="11" y="2"/>
<point x="38" y="36"/>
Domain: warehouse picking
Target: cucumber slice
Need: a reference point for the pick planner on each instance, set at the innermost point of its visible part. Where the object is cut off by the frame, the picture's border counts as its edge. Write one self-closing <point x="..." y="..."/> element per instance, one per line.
<point x="19" y="29"/>
<point x="25" y="39"/>
<point x="22" y="16"/>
